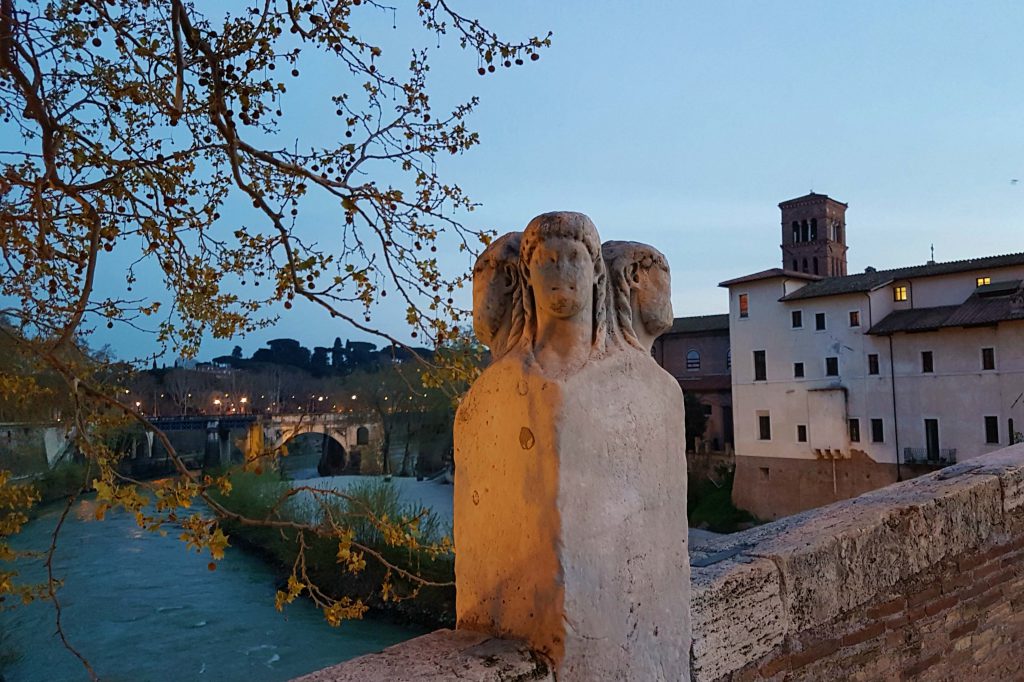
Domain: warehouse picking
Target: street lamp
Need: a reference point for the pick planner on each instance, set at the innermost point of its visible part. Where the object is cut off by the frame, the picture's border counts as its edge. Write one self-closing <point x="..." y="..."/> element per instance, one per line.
<point x="243" y="401"/>
<point x="216" y="401"/>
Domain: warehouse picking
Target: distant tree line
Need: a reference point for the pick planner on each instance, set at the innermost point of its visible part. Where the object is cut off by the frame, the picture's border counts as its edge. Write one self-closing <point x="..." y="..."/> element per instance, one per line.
<point x="340" y="359"/>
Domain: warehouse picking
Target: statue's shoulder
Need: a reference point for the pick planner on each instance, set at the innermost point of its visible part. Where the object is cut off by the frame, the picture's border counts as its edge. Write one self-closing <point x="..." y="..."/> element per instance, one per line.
<point x="501" y="377"/>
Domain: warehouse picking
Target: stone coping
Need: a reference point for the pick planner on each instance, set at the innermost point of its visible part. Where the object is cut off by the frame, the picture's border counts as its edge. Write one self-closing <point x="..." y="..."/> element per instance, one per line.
<point x="442" y="655"/>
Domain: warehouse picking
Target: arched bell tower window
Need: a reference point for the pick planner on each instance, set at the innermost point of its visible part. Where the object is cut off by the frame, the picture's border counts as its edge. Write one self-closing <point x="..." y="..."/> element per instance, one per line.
<point x="814" y="229"/>
<point x="692" y="360"/>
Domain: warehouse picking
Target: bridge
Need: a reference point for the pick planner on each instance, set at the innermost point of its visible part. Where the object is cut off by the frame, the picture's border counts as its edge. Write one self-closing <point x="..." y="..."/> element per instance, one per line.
<point x="33" y="447"/>
<point x="261" y="434"/>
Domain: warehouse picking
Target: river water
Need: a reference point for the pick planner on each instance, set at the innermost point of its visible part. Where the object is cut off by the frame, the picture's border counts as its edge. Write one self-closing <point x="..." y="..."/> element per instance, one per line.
<point x="141" y="608"/>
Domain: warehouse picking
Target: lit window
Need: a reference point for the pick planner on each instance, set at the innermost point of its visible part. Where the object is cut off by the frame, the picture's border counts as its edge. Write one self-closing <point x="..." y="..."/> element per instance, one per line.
<point x="692" y="360"/>
<point x="899" y="293"/>
<point x="982" y="281"/>
<point x="744" y="305"/>
<point x="988" y="358"/>
<point x="854" y="318"/>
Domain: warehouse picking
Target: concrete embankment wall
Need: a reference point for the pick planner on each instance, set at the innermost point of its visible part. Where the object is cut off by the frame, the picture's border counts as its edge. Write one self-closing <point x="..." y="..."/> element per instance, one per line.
<point x="921" y="580"/>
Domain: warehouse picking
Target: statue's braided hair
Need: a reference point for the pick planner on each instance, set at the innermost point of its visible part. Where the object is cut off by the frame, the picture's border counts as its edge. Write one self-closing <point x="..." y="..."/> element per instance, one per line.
<point x="619" y="257"/>
<point x="503" y="255"/>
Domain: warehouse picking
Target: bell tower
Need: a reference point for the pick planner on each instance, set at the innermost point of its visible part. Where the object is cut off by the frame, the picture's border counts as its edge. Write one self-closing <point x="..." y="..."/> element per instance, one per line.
<point x="814" y="235"/>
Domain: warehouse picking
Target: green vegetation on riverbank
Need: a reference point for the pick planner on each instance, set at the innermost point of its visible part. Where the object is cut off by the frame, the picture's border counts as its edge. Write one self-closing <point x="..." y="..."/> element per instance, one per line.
<point x="257" y="497"/>
<point x="709" y="505"/>
<point x="66" y="478"/>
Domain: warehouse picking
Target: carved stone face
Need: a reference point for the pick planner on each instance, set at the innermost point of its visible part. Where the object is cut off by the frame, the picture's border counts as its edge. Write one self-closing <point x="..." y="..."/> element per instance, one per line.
<point x="493" y="285"/>
<point x="561" y="277"/>
<point x="654" y="299"/>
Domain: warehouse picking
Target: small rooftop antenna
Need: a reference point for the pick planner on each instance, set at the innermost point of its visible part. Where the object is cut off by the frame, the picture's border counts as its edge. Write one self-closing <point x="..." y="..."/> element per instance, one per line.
<point x="931" y="261"/>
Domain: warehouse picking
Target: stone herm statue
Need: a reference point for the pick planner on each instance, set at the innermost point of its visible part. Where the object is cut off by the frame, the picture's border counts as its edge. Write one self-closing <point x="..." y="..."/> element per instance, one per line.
<point x="497" y="296"/>
<point x="570" y="480"/>
<point x="640" y="291"/>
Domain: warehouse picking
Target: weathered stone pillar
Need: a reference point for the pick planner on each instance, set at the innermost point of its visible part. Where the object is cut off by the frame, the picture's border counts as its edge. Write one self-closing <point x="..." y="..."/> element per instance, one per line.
<point x="570" y="482"/>
<point x="211" y="452"/>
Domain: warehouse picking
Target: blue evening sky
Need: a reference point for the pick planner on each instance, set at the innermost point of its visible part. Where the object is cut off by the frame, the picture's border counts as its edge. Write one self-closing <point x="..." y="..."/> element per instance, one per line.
<point x="684" y="124"/>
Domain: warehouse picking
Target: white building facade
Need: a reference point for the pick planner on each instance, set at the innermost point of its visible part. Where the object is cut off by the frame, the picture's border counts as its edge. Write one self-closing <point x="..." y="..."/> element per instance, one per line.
<point x="844" y="384"/>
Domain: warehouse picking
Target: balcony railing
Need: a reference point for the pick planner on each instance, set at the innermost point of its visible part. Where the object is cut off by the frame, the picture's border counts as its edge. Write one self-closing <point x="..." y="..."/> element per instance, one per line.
<point x="932" y="457"/>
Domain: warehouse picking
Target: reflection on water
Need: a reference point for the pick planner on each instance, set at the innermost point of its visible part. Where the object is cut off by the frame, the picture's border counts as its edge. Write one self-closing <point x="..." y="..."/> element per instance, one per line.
<point x="140" y="607"/>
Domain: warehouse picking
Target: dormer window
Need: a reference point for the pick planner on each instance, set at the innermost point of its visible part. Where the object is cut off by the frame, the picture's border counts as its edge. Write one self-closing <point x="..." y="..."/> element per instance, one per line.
<point x="899" y="293"/>
<point x="983" y="281"/>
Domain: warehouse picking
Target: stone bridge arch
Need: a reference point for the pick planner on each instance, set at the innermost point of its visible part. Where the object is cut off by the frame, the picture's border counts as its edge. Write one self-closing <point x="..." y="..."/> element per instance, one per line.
<point x="352" y="434"/>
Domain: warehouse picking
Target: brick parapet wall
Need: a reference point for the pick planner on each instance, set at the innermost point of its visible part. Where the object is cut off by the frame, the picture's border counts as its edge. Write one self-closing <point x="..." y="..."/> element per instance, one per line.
<point x="922" y="580"/>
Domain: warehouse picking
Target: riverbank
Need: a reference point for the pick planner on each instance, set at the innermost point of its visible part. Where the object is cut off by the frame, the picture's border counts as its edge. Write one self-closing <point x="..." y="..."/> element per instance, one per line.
<point x="255" y="496"/>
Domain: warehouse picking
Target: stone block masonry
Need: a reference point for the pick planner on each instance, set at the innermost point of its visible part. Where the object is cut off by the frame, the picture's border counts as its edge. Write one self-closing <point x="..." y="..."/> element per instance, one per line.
<point x="922" y="580"/>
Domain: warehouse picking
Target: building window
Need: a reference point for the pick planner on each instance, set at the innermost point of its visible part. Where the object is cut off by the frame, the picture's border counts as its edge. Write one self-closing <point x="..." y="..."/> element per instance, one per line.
<point x="832" y="367"/>
<point x="877" y="431"/>
<point x="854" y="318"/>
<point x="764" y="473"/>
<point x="801" y="433"/>
<point x="815" y="265"/>
<point x="927" y="362"/>
<point x="796" y="266"/>
<point x="744" y="305"/>
<point x="692" y="360"/>
<point x="982" y="281"/>
<point x="873" y="363"/>
<point x="804" y="236"/>
<point x="988" y="358"/>
<point x="707" y="411"/>
<point x="805" y="265"/>
<point x="798" y="370"/>
<point x="814" y="229"/>
<point x="899" y="293"/>
<point x="796" y="233"/>
<point x="992" y="430"/>
<point x="854" y="430"/>
<point x="764" y="427"/>
<point x="760" y="369"/>
<point x="362" y="436"/>
<point x="797" y="319"/>
<point x="819" y="321"/>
